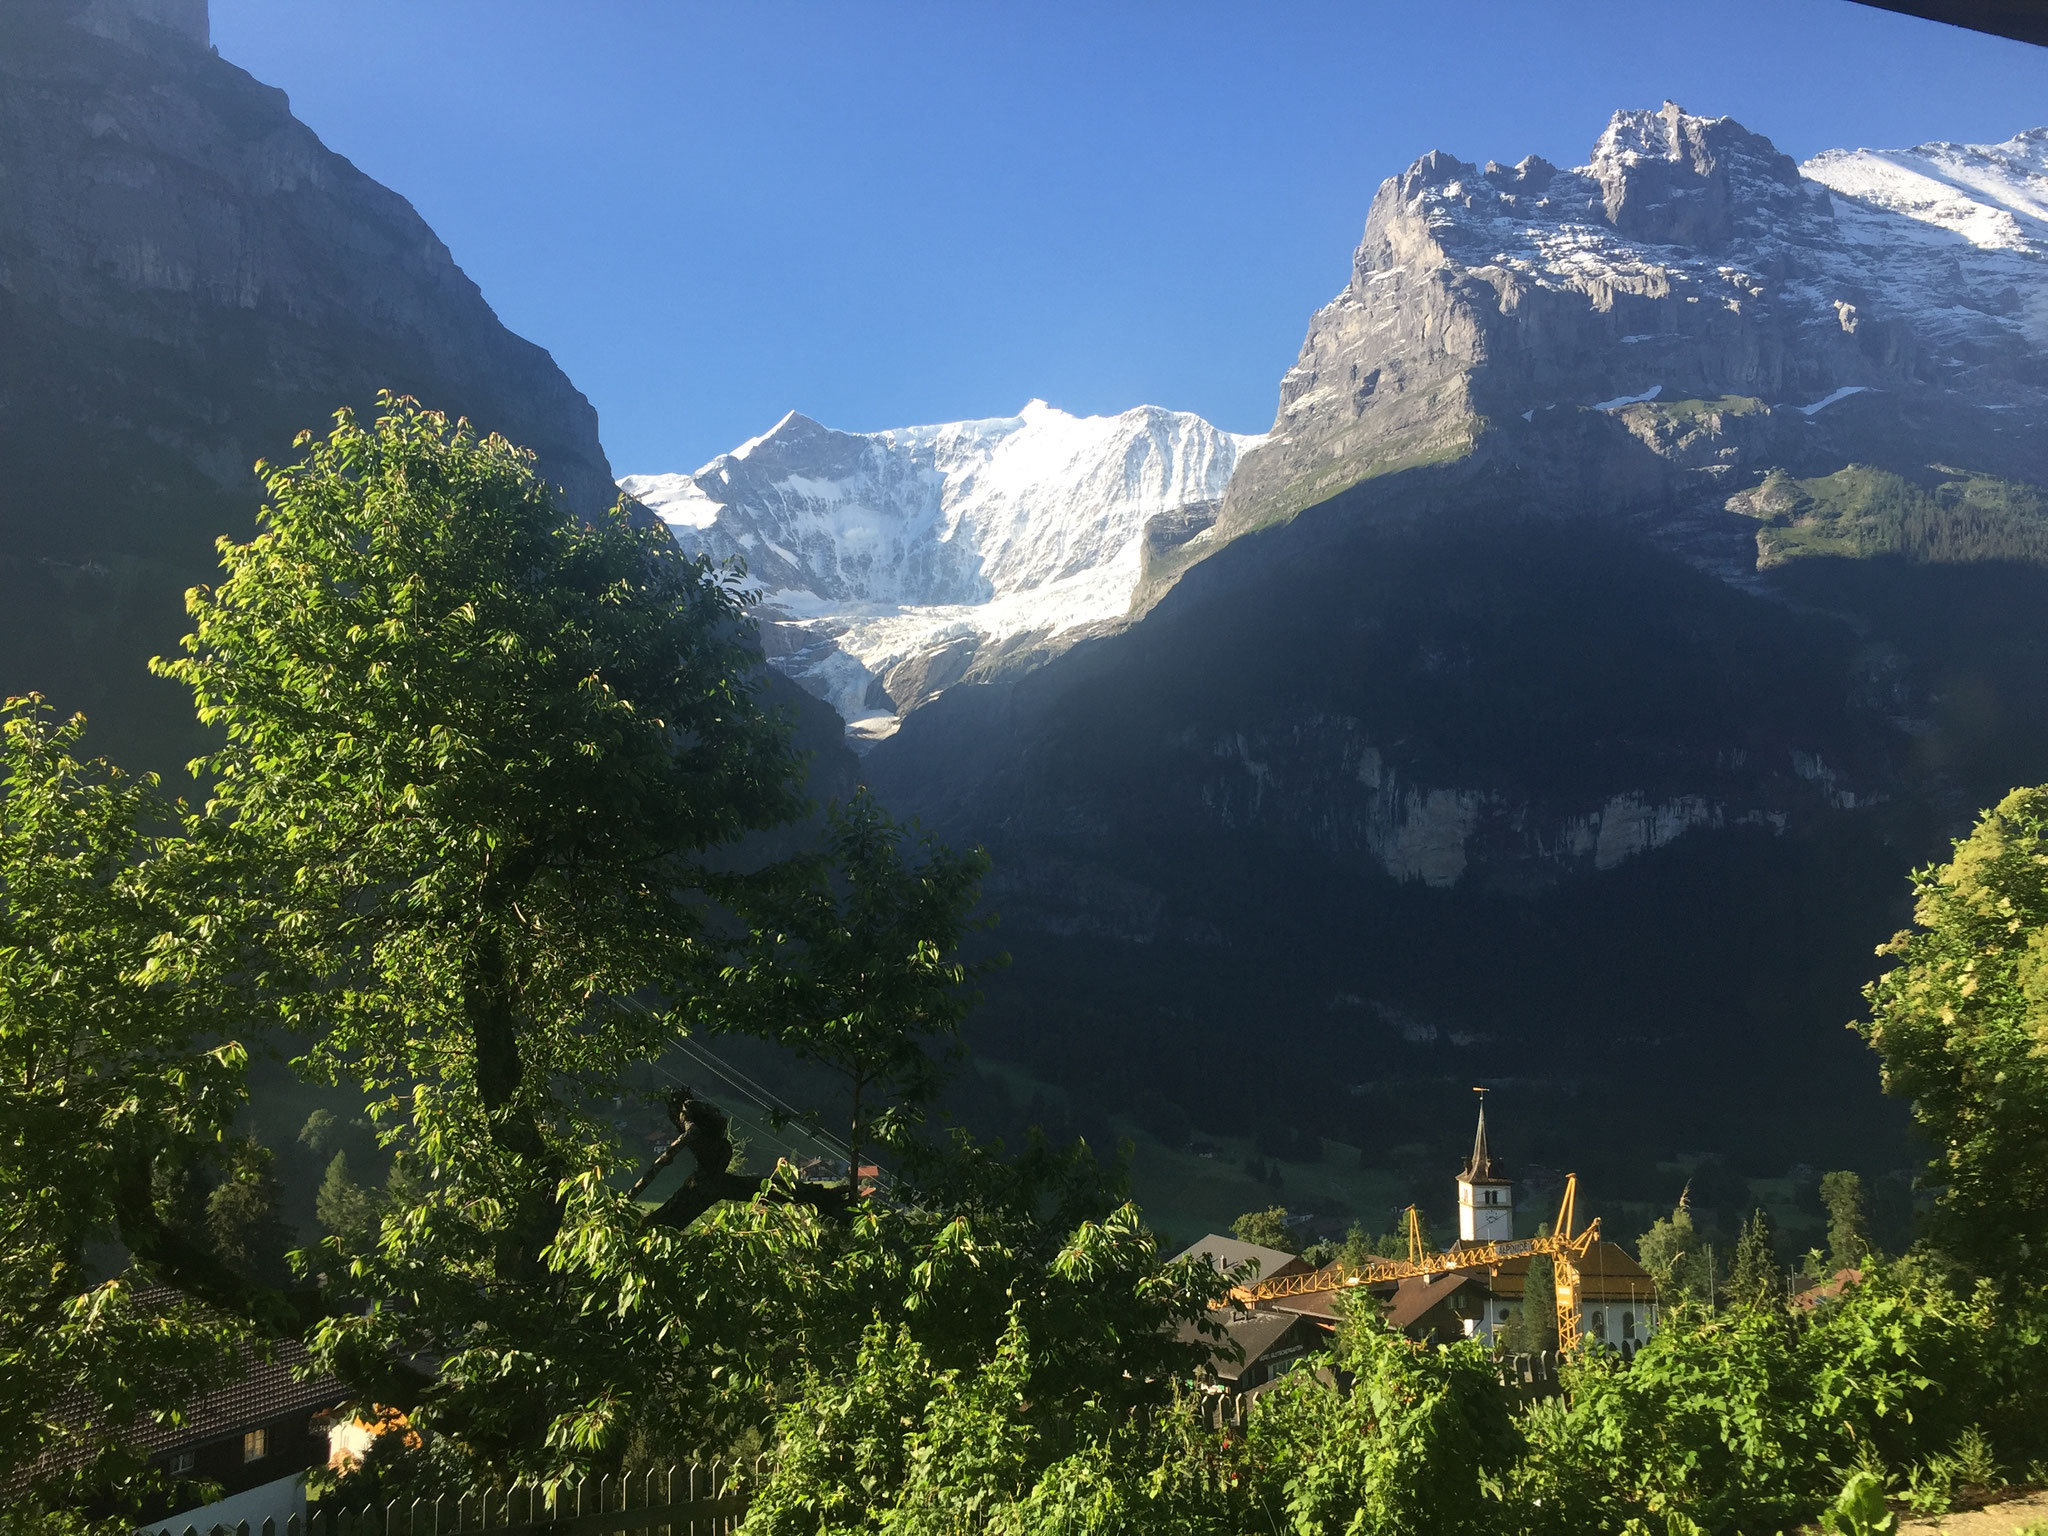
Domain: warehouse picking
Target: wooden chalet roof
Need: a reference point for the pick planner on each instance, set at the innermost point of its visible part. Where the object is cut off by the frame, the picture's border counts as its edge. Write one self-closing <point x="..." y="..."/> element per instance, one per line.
<point x="1421" y="1294"/>
<point x="1226" y="1253"/>
<point x="1259" y="1334"/>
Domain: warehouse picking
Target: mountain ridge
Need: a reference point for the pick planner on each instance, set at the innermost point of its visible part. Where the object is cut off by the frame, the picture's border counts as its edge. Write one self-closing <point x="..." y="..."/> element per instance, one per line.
<point x="188" y="278"/>
<point x="894" y="564"/>
<point x="1569" y="680"/>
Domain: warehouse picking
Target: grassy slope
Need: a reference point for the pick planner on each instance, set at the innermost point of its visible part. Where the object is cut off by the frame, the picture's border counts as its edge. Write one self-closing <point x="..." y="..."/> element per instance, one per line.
<point x="1860" y="512"/>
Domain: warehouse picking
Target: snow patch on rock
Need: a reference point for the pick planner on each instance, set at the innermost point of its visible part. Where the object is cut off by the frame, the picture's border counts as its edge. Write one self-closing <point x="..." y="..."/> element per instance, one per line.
<point x="917" y="546"/>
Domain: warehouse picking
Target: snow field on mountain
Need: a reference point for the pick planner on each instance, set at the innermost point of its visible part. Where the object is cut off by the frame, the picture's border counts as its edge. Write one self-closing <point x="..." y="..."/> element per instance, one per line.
<point x="876" y="547"/>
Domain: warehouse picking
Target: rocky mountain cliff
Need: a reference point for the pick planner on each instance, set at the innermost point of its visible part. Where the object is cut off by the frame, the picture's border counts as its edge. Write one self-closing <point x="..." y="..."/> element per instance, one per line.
<point x="1688" y="268"/>
<point x="1647" y="567"/>
<point x="896" y="564"/>
<point x="188" y="277"/>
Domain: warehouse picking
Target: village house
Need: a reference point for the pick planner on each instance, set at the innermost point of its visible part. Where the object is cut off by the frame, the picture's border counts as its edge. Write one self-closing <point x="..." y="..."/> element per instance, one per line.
<point x="1618" y="1302"/>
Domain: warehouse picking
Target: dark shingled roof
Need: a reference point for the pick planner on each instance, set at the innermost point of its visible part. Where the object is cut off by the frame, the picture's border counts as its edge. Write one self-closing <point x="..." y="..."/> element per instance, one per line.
<point x="266" y="1391"/>
<point x="1256" y="1333"/>
<point x="1420" y="1293"/>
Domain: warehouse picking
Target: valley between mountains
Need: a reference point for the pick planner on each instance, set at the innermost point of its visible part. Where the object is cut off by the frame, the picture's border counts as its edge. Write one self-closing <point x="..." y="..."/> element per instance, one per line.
<point x="1643" y="571"/>
<point x="1646" y="566"/>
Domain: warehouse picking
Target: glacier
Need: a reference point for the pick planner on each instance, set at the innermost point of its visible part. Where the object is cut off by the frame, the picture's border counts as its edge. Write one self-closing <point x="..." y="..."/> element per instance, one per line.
<point x="887" y="565"/>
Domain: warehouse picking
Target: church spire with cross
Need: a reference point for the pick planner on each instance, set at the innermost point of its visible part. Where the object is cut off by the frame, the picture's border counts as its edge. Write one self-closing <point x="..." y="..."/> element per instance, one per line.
<point x="1486" y="1198"/>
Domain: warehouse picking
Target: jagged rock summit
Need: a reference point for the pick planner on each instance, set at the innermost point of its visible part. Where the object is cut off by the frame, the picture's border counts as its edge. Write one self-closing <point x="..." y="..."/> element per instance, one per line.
<point x="894" y="564"/>
<point x="1647" y="569"/>
<point x="1689" y="263"/>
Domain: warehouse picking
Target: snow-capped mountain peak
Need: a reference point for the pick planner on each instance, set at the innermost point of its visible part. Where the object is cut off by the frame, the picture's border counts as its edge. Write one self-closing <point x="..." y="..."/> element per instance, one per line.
<point x="1994" y="195"/>
<point x="876" y="549"/>
<point x="1687" y="260"/>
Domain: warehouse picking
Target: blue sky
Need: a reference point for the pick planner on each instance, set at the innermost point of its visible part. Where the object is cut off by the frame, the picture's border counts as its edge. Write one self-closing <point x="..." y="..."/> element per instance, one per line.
<point x="888" y="213"/>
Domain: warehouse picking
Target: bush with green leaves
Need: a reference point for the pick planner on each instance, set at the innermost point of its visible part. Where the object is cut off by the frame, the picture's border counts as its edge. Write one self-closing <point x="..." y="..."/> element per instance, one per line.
<point x="118" y="1085"/>
<point x="1423" y="1440"/>
<point x="1752" y="1419"/>
<point x="1961" y="1025"/>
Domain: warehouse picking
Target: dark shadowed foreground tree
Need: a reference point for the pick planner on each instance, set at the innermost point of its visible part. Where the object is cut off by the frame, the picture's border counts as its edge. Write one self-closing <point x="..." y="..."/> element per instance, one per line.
<point x="112" y="1085"/>
<point x="1961" y="1024"/>
<point x="849" y="960"/>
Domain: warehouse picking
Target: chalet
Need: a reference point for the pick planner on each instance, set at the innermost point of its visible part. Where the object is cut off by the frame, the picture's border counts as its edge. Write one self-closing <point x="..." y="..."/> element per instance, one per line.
<point x="254" y="1438"/>
<point x="1227" y="1253"/>
<point x="1268" y="1341"/>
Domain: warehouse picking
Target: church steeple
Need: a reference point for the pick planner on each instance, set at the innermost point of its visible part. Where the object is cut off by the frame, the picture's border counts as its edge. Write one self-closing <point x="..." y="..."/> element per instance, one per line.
<point x="1481" y="1166"/>
<point x="1486" y="1199"/>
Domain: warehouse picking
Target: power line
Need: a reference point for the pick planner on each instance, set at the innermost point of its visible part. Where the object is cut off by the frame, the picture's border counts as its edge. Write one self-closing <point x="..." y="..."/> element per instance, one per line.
<point x="841" y="1152"/>
<point x="764" y="1099"/>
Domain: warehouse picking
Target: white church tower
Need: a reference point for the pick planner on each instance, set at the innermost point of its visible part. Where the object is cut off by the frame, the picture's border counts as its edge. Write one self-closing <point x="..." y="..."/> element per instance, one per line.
<point x="1486" y="1200"/>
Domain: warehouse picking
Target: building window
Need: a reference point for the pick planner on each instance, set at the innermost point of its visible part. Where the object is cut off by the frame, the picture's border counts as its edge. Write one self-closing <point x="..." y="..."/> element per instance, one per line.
<point x="1628" y="1325"/>
<point x="256" y="1445"/>
<point x="1503" y="1314"/>
<point x="182" y="1463"/>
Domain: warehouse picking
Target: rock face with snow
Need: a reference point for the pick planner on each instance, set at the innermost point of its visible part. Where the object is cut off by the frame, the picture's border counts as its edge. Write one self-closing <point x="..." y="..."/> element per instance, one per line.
<point x="1647" y="567"/>
<point x="1687" y="261"/>
<point x="895" y="564"/>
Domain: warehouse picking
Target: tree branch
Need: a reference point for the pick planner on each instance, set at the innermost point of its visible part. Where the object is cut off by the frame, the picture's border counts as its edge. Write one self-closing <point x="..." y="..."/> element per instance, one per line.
<point x="705" y="1132"/>
<point x="183" y="1262"/>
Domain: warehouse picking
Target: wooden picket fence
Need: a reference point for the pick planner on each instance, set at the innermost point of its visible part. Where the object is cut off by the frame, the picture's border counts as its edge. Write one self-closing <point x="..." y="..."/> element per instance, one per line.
<point x="691" y="1500"/>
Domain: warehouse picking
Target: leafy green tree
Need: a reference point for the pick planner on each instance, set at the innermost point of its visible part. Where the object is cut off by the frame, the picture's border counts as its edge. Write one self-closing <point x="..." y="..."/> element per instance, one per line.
<point x="1750" y="1419"/>
<point x="242" y="1218"/>
<point x="343" y="1206"/>
<point x="851" y="961"/>
<point x="1677" y="1257"/>
<point x="1267" y="1228"/>
<point x="1533" y="1328"/>
<point x="1001" y="1272"/>
<point x="1848" y="1229"/>
<point x="1754" y="1279"/>
<point x="1960" y="1024"/>
<point x="322" y="1133"/>
<point x="473" y="823"/>
<point x="114" y="1090"/>
<point x="1421" y="1442"/>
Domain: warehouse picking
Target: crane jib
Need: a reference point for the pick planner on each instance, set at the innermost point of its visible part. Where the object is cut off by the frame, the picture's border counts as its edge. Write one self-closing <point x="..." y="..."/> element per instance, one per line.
<point x="1564" y="1246"/>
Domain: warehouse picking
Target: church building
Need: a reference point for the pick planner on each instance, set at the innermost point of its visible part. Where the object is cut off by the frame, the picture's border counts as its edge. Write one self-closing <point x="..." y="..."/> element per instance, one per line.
<point x="1618" y="1303"/>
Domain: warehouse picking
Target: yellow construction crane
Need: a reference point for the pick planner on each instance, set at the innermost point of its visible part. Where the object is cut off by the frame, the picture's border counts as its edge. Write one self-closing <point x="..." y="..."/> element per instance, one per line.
<point x="1565" y="1247"/>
